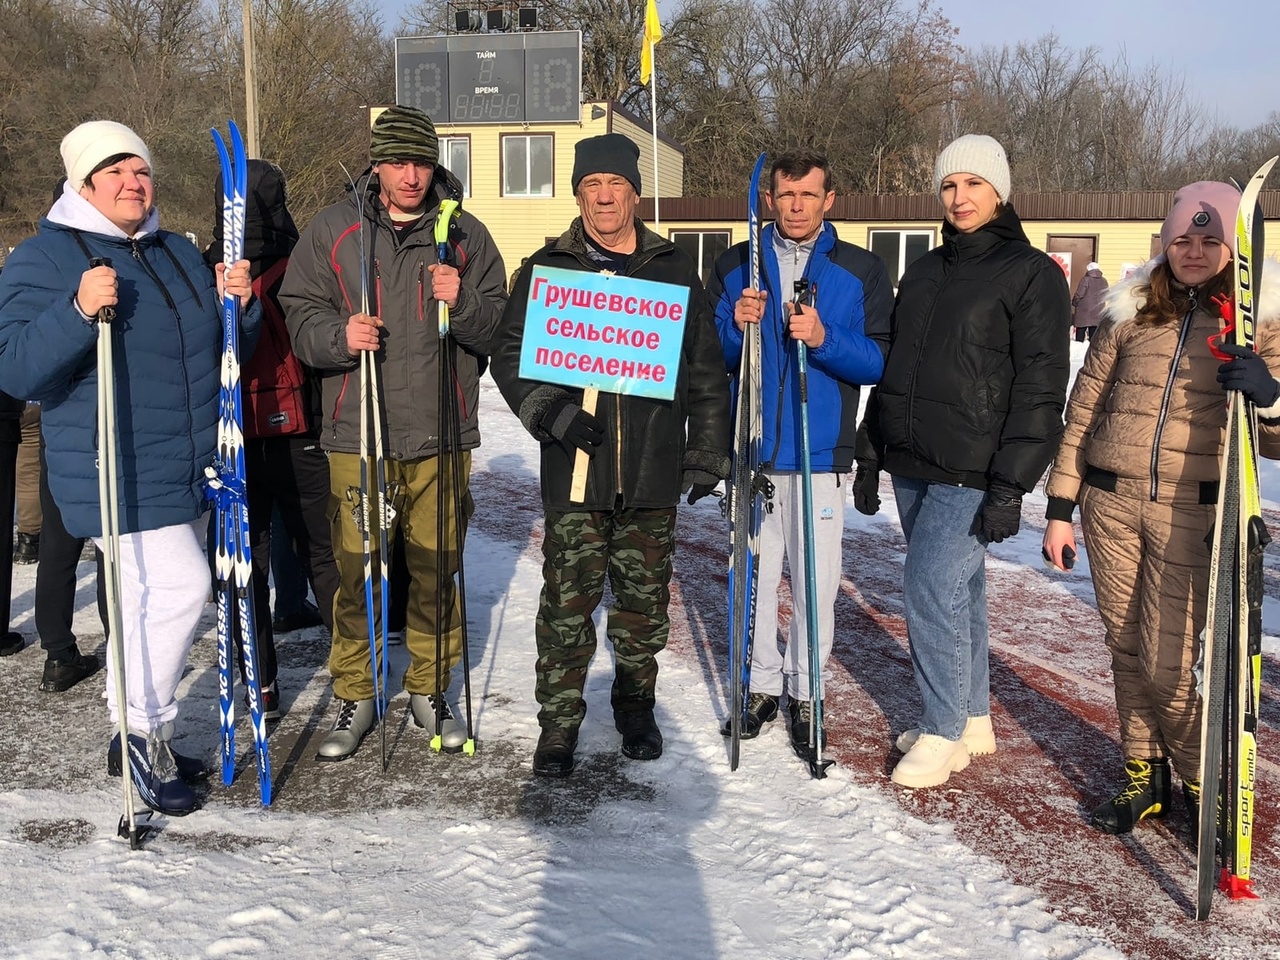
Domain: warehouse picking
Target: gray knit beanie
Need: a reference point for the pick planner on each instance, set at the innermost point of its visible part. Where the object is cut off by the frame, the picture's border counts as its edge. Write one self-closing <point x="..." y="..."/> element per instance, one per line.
<point x="403" y="133"/>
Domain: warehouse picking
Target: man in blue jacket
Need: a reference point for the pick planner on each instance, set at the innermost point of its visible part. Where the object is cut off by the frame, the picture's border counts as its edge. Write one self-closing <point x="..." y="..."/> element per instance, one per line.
<point x="846" y="329"/>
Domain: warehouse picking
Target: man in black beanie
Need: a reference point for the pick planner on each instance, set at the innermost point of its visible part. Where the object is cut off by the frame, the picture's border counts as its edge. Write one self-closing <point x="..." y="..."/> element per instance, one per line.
<point x="390" y="219"/>
<point x="640" y="463"/>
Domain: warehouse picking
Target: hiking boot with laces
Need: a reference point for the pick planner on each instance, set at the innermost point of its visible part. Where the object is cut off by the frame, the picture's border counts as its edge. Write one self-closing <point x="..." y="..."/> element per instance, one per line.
<point x="452" y="734"/>
<point x="155" y="774"/>
<point x="761" y="709"/>
<point x="1146" y="795"/>
<point x="801" y="714"/>
<point x="355" y="719"/>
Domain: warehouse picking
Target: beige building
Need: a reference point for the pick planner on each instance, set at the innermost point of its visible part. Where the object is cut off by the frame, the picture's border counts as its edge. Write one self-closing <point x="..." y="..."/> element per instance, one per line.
<point x="1117" y="230"/>
<point x="516" y="179"/>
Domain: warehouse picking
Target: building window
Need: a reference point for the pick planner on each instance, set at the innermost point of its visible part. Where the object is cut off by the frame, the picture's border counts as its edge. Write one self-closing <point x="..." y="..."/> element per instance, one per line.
<point x="704" y="248"/>
<point x="455" y="156"/>
<point x="899" y="248"/>
<point x="527" y="168"/>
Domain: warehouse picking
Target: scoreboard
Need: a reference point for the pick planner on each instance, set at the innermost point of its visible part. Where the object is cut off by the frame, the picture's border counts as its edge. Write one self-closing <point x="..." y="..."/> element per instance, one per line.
<point x="492" y="77"/>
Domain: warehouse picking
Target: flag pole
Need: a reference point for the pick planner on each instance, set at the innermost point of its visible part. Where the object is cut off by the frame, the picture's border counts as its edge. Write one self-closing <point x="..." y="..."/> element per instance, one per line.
<point x="653" y="93"/>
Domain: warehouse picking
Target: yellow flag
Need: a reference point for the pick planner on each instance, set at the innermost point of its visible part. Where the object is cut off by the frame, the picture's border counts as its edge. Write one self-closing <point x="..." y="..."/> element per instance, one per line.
<point x="652" y="34"/>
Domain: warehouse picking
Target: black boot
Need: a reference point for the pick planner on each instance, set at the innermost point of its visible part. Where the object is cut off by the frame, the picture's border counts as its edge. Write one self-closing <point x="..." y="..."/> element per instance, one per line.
<point x="11" y="643"/>
<point x="63" y="674"/>
<point x="800" y="713"/>
<point x="761" y="708"/>
<point x="26" y="548"/>
<point x="554" y="755"/>
<point x="1191" y="796"/>
<point x="1147" y="795"/>
<point x="641" y="738"/>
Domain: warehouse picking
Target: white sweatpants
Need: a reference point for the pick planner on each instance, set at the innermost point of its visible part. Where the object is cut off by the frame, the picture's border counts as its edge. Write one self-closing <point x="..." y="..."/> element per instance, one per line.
<point x="779" y="659"/>
<point x="164" y="584"/>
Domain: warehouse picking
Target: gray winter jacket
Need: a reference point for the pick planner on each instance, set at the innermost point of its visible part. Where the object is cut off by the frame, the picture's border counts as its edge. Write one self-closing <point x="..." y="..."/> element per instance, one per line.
<point x="1087" y="302"/>
<point x="321" y="291"/>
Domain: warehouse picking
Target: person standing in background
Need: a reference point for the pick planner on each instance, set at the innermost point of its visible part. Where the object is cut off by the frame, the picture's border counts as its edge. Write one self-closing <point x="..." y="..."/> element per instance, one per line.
<point x="26" y="546"/>
<point x="10" y="438"/>
<point x="1086" y="305"/>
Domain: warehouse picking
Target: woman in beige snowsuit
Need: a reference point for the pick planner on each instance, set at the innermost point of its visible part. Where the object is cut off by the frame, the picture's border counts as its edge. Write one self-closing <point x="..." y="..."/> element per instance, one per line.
<point x="1140" y="454"/>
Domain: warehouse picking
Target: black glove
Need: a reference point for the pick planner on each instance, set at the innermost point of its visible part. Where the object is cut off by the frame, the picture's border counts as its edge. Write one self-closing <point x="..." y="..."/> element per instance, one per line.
<point x="698" y="484"/>
<point x="1248" y="373"/>
<point x="573" y="426"/>
<point x="1001" y="512"/>
<point x="866" y="490"/>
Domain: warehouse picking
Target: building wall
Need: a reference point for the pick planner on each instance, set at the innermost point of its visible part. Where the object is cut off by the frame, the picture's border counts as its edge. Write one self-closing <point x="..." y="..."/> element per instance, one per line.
<point x="521" y="225"/>
<point x="1119" y="242"/>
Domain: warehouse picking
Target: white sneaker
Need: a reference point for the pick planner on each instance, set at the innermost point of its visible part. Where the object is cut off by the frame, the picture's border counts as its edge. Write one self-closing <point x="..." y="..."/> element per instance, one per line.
<point x="979" y="737"/>
<point x="930" y="762"/>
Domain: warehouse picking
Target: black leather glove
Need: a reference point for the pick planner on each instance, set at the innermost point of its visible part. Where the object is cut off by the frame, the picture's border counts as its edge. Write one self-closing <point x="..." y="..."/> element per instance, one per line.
<point x="866" y="490"/>
<point x="573" y="426"/>
<point x="1001" y="513"/>
<point x="1248" y="373"/>
<point x="698" y="484"/>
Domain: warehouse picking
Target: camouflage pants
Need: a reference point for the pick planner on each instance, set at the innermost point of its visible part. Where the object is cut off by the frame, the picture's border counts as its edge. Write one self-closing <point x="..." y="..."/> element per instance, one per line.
<point x="412" y="488"/>
<point x="634" y="549"/>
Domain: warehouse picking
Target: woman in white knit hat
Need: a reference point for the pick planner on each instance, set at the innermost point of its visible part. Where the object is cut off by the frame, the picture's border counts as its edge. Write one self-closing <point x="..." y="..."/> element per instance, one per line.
<point x="965" y="420"/>
<point x="167" y="349"/>
<point x="1140" y="455"/>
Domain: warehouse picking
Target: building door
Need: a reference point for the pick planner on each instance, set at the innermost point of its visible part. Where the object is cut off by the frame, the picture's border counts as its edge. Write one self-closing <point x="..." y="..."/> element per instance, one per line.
<point x="1083" y="251"/>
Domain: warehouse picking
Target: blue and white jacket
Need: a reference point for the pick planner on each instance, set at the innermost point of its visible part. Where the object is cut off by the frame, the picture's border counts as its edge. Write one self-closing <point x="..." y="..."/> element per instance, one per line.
<point x="854" y="300"/>
<point x="167" y="352"/>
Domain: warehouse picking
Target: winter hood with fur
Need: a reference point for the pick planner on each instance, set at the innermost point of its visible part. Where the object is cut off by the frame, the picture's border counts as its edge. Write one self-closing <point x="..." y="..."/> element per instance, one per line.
<point x="1147" y="404"/>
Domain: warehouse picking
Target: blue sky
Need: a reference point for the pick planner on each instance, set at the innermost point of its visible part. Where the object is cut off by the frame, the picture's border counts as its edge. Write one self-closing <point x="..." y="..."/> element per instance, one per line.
<point x="1209" y="44"/>
<point x="1206" y="43"/>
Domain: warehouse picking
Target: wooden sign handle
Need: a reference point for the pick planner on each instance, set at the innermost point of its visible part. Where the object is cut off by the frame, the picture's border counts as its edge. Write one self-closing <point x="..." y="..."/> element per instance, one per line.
<point x="578" y="491"/>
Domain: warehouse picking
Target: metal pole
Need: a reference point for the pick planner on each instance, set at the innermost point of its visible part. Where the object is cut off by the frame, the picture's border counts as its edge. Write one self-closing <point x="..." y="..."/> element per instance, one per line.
<point x="653" y="93"/>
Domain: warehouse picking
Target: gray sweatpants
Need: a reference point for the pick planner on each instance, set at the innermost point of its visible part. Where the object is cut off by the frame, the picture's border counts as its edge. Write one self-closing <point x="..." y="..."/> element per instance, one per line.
<point x="781" y="657"/>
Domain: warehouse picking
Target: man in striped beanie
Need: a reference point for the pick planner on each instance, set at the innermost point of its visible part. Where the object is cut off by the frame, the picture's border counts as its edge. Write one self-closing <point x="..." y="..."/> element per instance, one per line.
<point x="399" y="200"/>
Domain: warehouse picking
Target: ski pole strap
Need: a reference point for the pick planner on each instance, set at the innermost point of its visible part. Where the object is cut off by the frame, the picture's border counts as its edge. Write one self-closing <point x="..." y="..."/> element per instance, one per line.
<point x="1227" y="310"/>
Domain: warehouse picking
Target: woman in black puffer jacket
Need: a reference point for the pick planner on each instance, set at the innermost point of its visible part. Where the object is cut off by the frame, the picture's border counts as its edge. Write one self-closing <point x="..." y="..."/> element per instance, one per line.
<point x="966" y="419"/>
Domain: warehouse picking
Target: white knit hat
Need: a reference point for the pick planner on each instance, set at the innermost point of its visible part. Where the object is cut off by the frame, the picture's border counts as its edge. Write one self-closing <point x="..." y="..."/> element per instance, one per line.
<point x="90" y="143"/>
<point x="974" y="153"/>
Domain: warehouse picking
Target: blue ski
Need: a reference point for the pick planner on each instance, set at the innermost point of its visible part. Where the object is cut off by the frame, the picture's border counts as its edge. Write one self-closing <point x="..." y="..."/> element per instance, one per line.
<point x="747" y="494"/>
<point x="226" y="487"/>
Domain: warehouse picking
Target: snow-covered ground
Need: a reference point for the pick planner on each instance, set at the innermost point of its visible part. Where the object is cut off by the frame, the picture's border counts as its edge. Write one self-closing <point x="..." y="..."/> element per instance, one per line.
<point x="450" y="856"/>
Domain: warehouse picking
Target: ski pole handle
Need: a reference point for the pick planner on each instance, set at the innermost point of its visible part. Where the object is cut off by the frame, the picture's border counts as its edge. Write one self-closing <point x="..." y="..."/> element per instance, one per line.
<point x="106" y="314"/>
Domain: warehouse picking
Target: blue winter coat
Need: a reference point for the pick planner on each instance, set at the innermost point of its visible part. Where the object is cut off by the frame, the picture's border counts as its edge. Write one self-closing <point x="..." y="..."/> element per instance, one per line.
<point x="166" y="354"/>
<point x="854" y="301"/>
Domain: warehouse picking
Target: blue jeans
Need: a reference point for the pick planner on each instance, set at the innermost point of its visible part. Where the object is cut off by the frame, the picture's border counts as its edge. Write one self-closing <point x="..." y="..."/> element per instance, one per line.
<point x="944" y="585"/>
